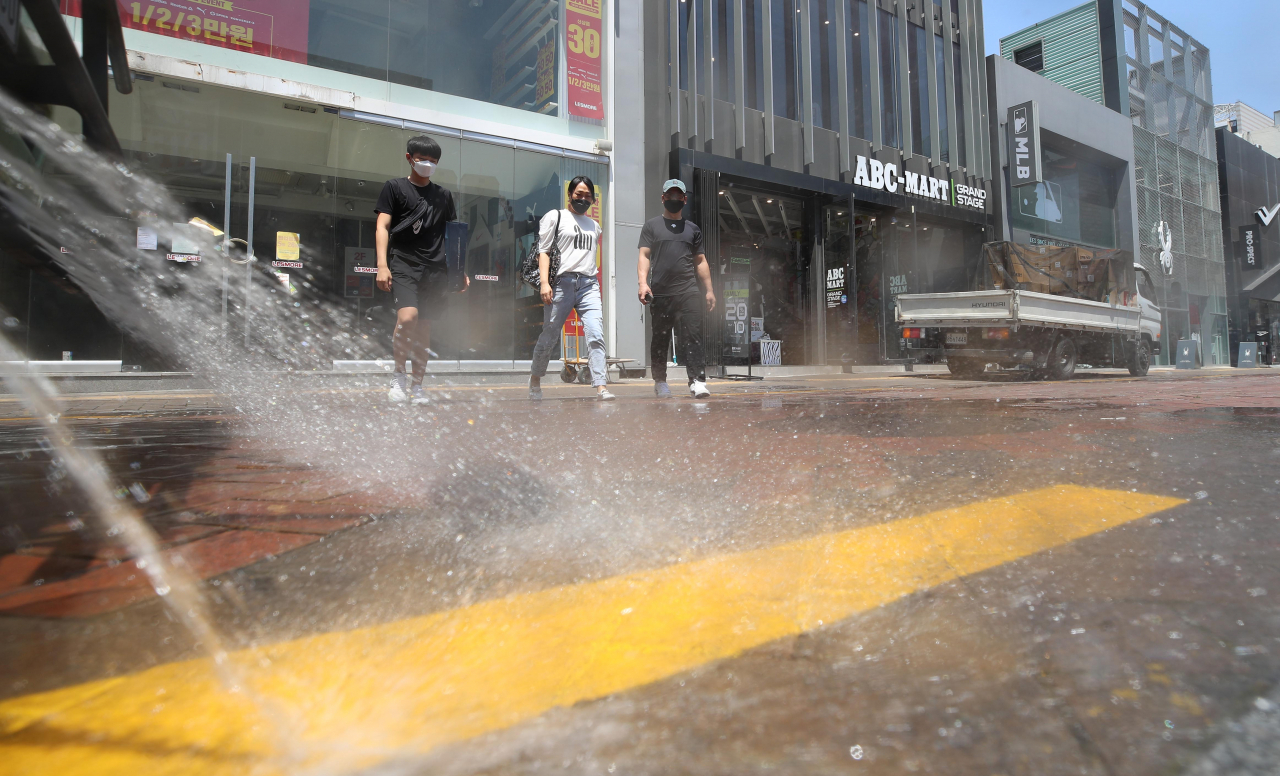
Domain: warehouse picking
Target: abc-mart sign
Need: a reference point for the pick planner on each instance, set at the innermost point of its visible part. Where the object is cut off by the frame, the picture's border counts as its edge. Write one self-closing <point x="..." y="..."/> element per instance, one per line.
<point x="885" y="176"/>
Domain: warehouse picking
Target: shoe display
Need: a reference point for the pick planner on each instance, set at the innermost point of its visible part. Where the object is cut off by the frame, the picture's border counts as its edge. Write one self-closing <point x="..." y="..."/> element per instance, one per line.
<point x="699" y="389"/>
<point x="397" y="394"/>
<point x="662" y="390"/>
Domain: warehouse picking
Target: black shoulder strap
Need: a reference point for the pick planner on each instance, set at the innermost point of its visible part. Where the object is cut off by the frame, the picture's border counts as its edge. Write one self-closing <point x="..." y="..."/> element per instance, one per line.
<point x="419" y="210"/>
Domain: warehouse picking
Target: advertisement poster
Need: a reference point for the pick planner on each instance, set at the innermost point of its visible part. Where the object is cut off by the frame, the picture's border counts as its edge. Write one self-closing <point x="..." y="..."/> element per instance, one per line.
<point x="835" y="287"/>
<point x="737" y="292"/>
<point x="288" y="246"/>
<point x="361" y="271"/>
<point x="269" y="28"/>
<point x="583" y="40"/>
<point x="546" y="73"/>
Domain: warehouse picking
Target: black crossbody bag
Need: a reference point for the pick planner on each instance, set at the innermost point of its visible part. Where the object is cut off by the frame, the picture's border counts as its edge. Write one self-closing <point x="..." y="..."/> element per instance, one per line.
<point x="529" y="266"/>
<point x="457" y="235"/>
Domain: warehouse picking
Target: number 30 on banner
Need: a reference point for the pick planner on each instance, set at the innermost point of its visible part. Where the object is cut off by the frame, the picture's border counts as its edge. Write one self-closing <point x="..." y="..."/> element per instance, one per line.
<point x="586" y="42"/>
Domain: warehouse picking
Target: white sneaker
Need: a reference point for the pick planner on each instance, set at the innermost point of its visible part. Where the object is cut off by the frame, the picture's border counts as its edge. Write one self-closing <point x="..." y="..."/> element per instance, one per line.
<point x="419" y="396"/>
<point x="605" y="395"/>
<point x="699" y="389"/>
<point x="397" y="394"/>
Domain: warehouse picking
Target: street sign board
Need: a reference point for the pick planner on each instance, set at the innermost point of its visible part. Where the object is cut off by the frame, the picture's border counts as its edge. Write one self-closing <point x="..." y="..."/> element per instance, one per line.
<point x="1248" y="358"/>
<point x="1187" y="352"/>
<point x="1024" y="145"/>
<point x="1251" y="247"/>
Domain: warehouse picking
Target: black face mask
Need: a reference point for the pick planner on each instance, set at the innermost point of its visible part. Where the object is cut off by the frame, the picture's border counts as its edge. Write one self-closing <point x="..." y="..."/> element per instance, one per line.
<point x="580" y="206"/>
<point x="673" y="205"/>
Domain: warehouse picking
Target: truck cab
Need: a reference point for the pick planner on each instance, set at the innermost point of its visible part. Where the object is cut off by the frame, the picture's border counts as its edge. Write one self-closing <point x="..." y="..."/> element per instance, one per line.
<point x="1152" y="320"/>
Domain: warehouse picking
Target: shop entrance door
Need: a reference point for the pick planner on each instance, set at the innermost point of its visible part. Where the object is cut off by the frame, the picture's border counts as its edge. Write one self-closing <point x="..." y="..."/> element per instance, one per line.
<point x="764" y="259"/>
<point x="838" y="300"/>
<point x="868" y="287"/>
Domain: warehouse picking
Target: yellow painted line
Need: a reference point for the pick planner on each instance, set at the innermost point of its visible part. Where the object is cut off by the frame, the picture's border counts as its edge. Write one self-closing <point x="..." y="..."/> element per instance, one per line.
<point x="353" y="699"/>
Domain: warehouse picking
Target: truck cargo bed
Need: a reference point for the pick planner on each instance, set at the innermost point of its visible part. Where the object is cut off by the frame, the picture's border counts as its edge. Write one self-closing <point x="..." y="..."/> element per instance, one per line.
<point x="1015" y="308"/>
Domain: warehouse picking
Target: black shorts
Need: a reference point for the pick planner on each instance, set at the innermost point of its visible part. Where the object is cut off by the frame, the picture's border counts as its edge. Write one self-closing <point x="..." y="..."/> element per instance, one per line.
<point x="418" y="285"/>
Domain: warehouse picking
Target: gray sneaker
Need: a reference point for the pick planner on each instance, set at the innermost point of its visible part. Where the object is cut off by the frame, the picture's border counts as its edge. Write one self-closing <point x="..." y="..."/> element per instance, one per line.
<point x="418" y="396"/>
<point x="535" y="391"/>
<point x="605" y="395"/>
<point x="398" y="394"/>
<point x="662" y="390"/>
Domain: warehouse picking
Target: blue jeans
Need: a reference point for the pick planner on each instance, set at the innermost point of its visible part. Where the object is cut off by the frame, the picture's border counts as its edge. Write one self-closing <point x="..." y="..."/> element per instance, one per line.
<point x="583" y="292"/>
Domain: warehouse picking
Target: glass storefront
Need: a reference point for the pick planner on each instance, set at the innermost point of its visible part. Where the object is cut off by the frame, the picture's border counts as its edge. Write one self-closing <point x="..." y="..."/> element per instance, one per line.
<point x="318" y="176"/>
<point x="765" y="252"/>
<point x="822" y="276"/>
<point x="498" y="51"/>
<point x="1077" y="201"/>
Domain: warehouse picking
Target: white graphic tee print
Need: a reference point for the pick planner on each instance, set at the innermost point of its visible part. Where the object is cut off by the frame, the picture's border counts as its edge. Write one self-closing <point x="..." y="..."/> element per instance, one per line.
<point x="579" y="236"/>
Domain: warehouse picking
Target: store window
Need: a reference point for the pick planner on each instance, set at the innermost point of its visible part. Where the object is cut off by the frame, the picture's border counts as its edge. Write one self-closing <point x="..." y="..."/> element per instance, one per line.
<point x="890" y="126"/>
<point x="786" y="58"/>
<point x="859" y="69"/>
<point x="940" y="78"/>
<point x="1076" y="202"/>
<point x="824" y="37"/>
<point x="918" y="77"/>
<point x="753" y="52"/>
<point x="723" y="57"/>
<point x="499" y="51"/>
<point x="962" y="155"/>
<point x="318" y="176"/>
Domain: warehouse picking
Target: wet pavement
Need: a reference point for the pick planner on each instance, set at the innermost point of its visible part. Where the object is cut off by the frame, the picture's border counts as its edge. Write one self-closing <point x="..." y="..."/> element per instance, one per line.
<point x="838" y="574"/>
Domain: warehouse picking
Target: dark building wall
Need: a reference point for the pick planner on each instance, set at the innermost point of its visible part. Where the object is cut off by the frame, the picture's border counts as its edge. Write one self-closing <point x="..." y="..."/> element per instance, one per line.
<point x="1249" y="180"/>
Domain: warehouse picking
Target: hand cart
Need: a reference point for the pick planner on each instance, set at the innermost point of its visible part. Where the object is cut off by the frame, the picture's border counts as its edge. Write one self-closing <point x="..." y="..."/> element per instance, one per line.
<point x="573" y="346"/>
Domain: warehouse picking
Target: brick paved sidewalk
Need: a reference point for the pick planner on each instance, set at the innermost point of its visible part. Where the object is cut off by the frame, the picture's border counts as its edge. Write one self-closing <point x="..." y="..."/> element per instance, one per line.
<point x="239" y="506"/>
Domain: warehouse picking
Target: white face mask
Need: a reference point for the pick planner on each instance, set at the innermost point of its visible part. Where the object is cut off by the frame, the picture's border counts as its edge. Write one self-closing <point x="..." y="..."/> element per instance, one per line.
<point x="424" y="168"/>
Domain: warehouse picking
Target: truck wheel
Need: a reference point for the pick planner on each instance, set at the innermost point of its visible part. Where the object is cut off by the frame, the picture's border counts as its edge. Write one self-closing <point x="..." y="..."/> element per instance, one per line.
<point x="965" y="368"/>
<point x="1139" y="358"/>
<point x="1062" y="360"/>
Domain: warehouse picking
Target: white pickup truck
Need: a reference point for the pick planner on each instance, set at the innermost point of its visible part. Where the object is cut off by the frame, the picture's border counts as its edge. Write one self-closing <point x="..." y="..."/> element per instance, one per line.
<point x="1043" y="335"/>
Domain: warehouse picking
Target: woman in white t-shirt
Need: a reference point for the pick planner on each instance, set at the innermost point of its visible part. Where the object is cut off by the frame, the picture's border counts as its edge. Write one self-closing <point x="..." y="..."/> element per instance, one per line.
<point x="575" y="287"/>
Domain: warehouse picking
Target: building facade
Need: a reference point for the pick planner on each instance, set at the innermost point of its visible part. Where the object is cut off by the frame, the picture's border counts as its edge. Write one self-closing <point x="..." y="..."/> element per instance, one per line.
<point x="837" y="155"/>
<point x="304" y="108"/>
<point x="1251" y="124"/>
<point x="1249" y="179"/>
<point x="1127" y="57"/>
<point x="1089" y="193"/>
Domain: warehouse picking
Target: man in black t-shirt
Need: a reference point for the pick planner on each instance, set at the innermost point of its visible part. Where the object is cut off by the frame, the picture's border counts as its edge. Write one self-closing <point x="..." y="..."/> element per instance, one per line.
<point x="412" y="213"/>
<point x="672" y="246"/>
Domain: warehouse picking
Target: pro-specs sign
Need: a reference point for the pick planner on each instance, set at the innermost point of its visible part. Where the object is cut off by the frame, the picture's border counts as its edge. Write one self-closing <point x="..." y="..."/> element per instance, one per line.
<point x="1024" y="145"/>
<point x="885" y="176"/>
<point x="1251" y="247"/>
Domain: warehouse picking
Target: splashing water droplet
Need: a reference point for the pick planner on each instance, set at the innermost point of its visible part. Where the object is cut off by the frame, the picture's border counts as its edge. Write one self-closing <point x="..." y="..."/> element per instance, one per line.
<point x="855" y="752"/>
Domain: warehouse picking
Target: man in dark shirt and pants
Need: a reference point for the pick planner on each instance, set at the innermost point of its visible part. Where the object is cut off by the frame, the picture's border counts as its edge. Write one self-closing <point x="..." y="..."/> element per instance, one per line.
<point x="672" y="246"/>
<point x="411" y="262"/>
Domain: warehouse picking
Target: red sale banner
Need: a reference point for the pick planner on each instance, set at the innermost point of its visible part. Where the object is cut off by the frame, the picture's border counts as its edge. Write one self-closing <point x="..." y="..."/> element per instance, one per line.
<point x="270" y="28"/>
<point x="583" y="39"/>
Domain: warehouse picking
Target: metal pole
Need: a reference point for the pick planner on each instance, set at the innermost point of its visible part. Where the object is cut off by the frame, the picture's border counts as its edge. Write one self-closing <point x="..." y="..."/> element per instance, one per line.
<point x="226" y="245"/>
<point x="248" y="267"/>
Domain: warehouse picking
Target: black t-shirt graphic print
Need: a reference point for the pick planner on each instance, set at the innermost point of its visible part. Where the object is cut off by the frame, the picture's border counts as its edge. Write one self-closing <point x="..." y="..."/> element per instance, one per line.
<point x="423" y="241"/>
